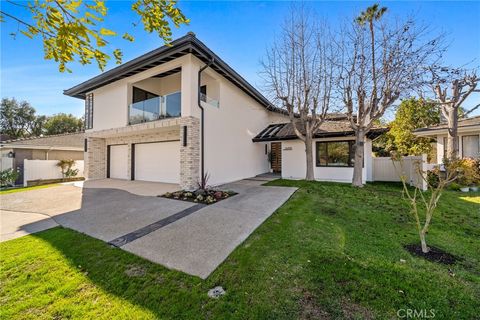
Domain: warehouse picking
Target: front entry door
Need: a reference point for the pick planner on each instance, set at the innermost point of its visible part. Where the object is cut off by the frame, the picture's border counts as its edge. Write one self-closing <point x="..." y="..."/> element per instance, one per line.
<point x="276" y="150"/>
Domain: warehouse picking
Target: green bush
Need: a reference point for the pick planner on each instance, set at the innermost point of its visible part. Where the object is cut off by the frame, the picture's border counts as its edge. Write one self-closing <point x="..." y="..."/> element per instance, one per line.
<point x="468" y="172"/>
<point x="8" y="177"/>
<point x="433" y="178"/>
<point x="454" y="186"/>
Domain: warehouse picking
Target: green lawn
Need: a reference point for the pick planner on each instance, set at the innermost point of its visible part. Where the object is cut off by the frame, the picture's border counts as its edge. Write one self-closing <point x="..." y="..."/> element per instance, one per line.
<point x="21" y="189"/>
<point x="331" y="252"/>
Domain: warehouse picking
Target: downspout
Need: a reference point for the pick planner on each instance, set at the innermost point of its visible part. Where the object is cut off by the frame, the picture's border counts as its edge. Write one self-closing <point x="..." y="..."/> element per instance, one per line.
<point x="202" y="121"/>
<point x="46" y="154"/>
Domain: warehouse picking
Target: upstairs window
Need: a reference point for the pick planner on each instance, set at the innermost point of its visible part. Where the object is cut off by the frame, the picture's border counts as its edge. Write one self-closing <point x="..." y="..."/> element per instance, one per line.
<point x="89" y="111"/>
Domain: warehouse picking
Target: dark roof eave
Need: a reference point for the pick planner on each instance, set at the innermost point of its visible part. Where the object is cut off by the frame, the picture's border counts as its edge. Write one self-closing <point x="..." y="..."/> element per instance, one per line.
<point x="374" y="133"/>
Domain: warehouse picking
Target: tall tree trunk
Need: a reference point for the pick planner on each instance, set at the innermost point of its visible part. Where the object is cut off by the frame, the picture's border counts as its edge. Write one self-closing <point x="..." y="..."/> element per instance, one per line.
<point x="310" y="175"/>
<point x="359" y="150"/>
<point x="452" y="138"/>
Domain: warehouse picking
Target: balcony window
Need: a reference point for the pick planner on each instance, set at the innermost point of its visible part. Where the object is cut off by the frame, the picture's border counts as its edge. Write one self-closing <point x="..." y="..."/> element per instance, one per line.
<point x="154" y="107"/>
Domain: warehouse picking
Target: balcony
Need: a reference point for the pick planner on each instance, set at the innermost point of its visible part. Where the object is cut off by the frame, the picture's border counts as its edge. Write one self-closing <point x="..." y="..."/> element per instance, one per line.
<point x="162" y="107"/>
<point x="208" y="100"/>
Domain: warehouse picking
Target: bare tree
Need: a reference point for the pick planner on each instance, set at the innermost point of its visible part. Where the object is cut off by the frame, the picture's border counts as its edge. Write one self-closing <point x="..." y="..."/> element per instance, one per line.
<point x="428" y="200"/>
<point x="299" y="75"/>
<point x="381" y="60"/>
<point x="462" y="84"/>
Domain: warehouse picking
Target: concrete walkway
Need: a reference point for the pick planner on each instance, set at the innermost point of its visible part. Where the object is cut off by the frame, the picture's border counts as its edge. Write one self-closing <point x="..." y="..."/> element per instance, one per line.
<point x="200" y="242"/>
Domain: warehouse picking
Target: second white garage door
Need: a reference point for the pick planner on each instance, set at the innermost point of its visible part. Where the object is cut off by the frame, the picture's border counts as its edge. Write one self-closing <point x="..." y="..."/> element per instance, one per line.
<point x="159" y="161"/>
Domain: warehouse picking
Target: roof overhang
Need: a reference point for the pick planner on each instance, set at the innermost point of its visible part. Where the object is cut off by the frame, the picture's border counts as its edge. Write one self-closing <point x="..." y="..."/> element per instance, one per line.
<point x="264" y="135"/>
<point x="35" y="147"/>
<point x="187" y="44"/>
<point x="433" y="132"/>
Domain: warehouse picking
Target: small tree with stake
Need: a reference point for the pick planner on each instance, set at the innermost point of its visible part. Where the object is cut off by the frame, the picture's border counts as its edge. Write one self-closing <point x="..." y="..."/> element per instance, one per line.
<point x="420" y="200"/>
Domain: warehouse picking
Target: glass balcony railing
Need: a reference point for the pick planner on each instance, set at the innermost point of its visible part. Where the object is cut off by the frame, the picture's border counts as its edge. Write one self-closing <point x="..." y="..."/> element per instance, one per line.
<point x="210" y="101"/>
<point x="168" y="106"/>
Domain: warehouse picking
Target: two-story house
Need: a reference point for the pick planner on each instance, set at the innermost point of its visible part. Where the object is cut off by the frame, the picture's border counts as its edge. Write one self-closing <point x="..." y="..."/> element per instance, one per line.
<point x="180" y="110"/>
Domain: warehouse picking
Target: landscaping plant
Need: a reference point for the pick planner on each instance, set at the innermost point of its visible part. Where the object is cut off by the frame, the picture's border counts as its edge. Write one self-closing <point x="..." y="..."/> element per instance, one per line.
<point x="427" y="201"/>
<point x="8" y="177"/>
<point x="204" y="194"/>
<point x="66" y="167"/>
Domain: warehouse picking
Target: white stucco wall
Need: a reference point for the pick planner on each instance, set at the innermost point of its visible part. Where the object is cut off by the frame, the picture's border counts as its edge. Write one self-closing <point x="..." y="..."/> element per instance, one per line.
<point x="110" y="106"/>
<point x="230" y="153"/>
<point x="294" y="163"/>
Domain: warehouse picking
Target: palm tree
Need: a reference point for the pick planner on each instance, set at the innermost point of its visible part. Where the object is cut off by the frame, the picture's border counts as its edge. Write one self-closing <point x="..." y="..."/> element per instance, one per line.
<point x="372" y="13"/>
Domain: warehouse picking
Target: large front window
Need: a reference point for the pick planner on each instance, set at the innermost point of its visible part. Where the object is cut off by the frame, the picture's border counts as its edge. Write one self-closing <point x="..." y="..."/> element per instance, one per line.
<point x="147" y="106"/>
<point x="335" y="153"/>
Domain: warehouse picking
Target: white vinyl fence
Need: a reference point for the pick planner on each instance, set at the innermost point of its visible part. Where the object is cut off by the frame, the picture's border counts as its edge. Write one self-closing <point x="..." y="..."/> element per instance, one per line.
<point x="384" y="169"/>
<point x="46" y="169"/>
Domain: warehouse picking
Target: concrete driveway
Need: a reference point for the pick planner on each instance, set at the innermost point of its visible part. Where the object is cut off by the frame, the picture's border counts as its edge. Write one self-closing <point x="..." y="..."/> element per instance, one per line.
<point x="96" y="208"/>
<point x="189" y="237"/>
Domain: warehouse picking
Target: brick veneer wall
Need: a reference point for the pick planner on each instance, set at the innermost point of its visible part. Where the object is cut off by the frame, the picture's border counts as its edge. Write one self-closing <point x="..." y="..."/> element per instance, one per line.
<point x="190" y="154"/>
<point x="95" y="159"/>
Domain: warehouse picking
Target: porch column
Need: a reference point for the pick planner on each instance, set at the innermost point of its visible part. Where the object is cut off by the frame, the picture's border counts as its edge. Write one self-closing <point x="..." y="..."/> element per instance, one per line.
<point x="95" y="159"/>
<point x="189" y="153"/>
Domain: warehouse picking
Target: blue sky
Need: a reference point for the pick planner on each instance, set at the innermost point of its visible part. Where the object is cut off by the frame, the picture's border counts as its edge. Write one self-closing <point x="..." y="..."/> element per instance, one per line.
<point x="237" y="31"/>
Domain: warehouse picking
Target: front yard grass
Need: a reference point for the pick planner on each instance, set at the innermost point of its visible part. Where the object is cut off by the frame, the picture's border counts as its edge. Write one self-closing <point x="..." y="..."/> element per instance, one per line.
<point x="331" y="252"/>
<point x="21" y="189"/>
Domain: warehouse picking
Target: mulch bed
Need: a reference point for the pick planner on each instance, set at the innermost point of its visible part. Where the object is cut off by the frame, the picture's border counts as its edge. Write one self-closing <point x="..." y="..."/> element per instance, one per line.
<point x="209" y="196"/>
<point x="434" y="255"/>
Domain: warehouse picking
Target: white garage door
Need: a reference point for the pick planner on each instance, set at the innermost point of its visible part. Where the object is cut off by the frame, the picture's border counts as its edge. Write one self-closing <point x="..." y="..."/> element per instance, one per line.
<point x="159" y="161"/>
<point x="119" y="162"/>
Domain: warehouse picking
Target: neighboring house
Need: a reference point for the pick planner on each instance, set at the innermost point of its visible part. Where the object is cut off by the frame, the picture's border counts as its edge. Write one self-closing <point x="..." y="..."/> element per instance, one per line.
<point x="145" y="120"/>
<point x="54" y="147"/>
<point x="468" y="137"/>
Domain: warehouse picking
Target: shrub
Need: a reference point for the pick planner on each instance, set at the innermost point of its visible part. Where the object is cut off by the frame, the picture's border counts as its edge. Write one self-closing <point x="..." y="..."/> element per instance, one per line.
<point x="454" y="186"/>
<point x="476" y="168"/>
<point x="433" y="177"/>
<point x="66" y="167"/>
<point x="70" y="173"/>
<point x="8" y="177"/>
<point x="468" y="172"/>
